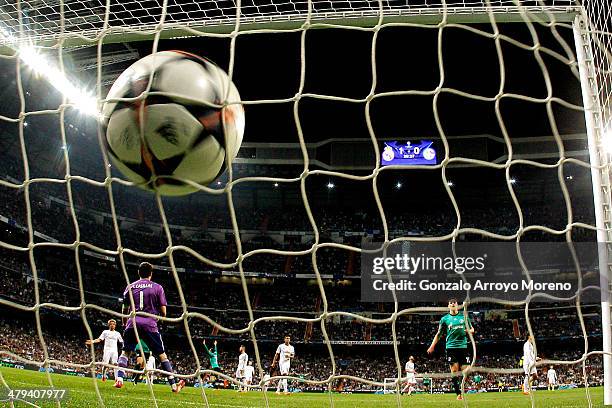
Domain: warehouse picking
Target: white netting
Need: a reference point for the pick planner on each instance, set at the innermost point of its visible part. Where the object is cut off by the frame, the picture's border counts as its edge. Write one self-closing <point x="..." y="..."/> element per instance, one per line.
<point x="41" y="18"/>
<point x="44" y="20"/>
<point x="600" y="27"/>
<point x="391" y="385"/>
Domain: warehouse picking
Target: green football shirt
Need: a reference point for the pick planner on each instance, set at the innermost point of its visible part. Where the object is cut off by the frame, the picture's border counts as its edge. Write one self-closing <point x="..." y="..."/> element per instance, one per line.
<point x="213" y="357"/>
<point x="455" y="329"/>
<point x="143" y="345"/>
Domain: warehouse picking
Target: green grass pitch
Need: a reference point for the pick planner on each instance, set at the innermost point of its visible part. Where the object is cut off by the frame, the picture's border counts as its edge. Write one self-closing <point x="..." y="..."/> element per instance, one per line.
<point x="82" y="394"/>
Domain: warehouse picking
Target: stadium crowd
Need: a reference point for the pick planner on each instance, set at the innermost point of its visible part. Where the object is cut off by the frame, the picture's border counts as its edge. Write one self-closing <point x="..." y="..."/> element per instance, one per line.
<point x="103" y="285"/>
<point x="140" y="216"/>
<point x="58" y="273"/>
<point x="310" y="363"/>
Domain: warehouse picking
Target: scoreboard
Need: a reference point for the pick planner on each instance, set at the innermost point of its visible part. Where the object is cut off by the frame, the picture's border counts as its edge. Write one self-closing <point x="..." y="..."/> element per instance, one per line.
<point x="408" y="153"/>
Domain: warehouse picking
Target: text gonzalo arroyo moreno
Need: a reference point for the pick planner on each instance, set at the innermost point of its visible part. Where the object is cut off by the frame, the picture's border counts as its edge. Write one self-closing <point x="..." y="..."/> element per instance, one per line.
<point x="404" y="267"/>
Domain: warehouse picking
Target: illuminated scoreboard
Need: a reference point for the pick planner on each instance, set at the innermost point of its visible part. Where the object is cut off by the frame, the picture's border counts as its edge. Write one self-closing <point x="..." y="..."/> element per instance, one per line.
<point x="408" y="153"/>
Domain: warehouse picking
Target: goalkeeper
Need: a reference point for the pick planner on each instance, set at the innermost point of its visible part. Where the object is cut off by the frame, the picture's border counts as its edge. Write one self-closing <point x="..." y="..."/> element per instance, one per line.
<point x="213" y="356"/>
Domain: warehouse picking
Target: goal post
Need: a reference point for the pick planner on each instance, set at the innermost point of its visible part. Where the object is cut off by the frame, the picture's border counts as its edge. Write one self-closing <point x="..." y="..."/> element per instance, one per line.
<point x="597" y="124"/>
<point x="45" y="27"/>
<point x="392" y="386"/>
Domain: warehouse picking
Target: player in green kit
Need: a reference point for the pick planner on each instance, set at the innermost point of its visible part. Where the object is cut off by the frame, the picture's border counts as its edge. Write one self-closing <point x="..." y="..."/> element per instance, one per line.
<point x="477" y="380"/>
<point x="142" y="346"/>
<point x="140" y="362"/>
<point x="213" y="356"/>
<point x="456" y="328"/>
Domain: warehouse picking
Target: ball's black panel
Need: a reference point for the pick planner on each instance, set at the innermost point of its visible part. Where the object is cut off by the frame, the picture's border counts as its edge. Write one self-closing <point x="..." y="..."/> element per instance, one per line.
<point x="158" y="99"/>
<point x="167" y="166"/>
<point x="210" y="118"/>
<point x="205" y="62"/>
<point x="138" y="168"/>
<point x="168" y="180"/>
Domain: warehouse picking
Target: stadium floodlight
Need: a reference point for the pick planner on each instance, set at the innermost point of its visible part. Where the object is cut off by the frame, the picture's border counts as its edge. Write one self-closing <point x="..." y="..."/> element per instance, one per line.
<point x="569" y="177"/>
<point x="275" y="184"/>
<point x="83" y="101"/>
<point x="398" y="185"/>
<point x="513" y="181"/>
<point x="450" y="183"/>
<point x="25" y="124"/>
<point x="330" y="185"/>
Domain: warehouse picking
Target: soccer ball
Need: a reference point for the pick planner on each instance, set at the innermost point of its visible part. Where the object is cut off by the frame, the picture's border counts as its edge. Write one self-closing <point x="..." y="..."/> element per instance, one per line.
<point x="173" y="133"/>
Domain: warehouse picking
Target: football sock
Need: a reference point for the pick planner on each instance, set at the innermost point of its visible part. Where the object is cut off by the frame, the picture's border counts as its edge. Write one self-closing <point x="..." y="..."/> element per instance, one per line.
<point x="123" y="363"/>
<point x="166" y="366"/>
<point x="456" y="385"/>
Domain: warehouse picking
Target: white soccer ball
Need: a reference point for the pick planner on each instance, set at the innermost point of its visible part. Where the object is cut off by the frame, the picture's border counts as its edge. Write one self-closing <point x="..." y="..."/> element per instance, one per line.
<point x="175" y="134"/>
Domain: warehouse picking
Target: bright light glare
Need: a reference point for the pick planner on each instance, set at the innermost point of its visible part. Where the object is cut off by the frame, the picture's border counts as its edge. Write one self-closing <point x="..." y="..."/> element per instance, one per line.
<point x="512" y="181"/>
<point x="83" y="101"/>
<point x="330" y="185"/>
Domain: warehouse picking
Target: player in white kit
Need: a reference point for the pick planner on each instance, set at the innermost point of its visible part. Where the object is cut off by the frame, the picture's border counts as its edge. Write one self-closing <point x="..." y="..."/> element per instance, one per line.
<point x="529" y="365"/>
<point x="284" y="353"/>
<point x="410" y="376"/>
<point x="551" y="376"/>
<point x="150" y="366"/>
<point x="242" y="364"/>
<point x="110" y="337"/>
<point x="249" y="370"/>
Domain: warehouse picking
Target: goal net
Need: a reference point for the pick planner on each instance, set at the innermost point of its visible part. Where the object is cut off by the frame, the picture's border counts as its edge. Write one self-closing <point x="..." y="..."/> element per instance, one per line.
<point x="392" y="386"/>
<point x="66" y="42"/>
